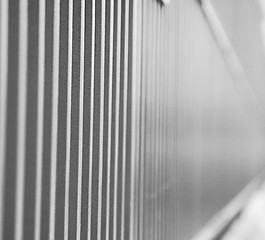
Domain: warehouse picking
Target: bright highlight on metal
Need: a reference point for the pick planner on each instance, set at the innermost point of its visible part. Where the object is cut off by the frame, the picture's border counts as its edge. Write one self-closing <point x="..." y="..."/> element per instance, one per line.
<point x="118" y="119"/>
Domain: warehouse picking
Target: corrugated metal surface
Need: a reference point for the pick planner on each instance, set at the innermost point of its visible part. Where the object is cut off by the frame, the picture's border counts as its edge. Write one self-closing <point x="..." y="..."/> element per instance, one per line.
<point x="118" y="120"/>
<point x="66" y="91"/>
<point x="197" y="146"/>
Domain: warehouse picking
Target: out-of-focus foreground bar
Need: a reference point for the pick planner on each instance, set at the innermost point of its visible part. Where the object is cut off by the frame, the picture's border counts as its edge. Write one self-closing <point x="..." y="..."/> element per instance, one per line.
<point x="119" y="119"/>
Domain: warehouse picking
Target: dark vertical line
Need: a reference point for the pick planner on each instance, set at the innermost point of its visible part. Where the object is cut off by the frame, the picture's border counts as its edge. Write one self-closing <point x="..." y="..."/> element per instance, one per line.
<point x="146" y="211"/>
<point x="113" y="120"/>
<point x="148" y="148"/>
<point x="166" y="98"/>
<point x="120" y="159"/>
<point x="46" y="168"/>
<point x="31" y="122"/>
<point x="62" y="118"/>
<point x="129" y="128"/>
<point x="138" y="182"/>
<point x="160" y="179"/>
<point x="156" y="146"/>
<point x="153" y="131"/>
<point x="74" y="120"/>
<point x="136" y="55"/>
<point x="3" y="101"/>
<point x="174" y="119"/>
<point x="163" y="126"/>
<point x="11" y="121"/>
<point x="141" y="224"/>
<point x="96" y="128"/>
<point x="178" y="62"/>
<point x="106" y="117"/>
<point x="86" y="119"/>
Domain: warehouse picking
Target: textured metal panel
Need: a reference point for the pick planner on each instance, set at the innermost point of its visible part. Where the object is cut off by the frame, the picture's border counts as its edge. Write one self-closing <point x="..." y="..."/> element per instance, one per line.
<point x="196" y="146"/>
<point x="118" y="120"/>
<point x="66" y="96"/>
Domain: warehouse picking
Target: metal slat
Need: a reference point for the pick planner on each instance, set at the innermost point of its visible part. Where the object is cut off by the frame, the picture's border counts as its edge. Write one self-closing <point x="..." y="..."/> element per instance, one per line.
<point x="117" y="111"/>
<point x="110" y="76"/>
<point x="157" y="222"/>
<point x="162" y="119"/>
<point x="62" y="121"/>
<point x="158" y="124"/>
<point x="105" y="121"/>
<point x="136" y="75"/>
<point x="31" y="120"/>
<point x="113" y="123"/>
<point x="128" y="160"/>
<point x="75" y="118"/>
<point x="81" y="116"/>
<point x="96" y="127"/>
<point x="47" y="128"/>
<point x="102" y="83"/>
<point x="11" y="122"/>
<point x="125" y="100"/>
<point x="91" y="121"/>
<point x="21" y="122"/>
<point x="3" y="100"/>
<point x="40" y="118"/>
<point x="86" y="119"/>
<point x="140" y="226"/>
<point x="55" y="91"/>
<point x="68" y="127"/>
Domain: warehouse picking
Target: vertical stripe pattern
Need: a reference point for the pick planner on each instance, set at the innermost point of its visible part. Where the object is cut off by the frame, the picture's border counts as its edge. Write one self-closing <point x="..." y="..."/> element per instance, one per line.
<point x="118" y="121"/>
<point x="65" y="72"/>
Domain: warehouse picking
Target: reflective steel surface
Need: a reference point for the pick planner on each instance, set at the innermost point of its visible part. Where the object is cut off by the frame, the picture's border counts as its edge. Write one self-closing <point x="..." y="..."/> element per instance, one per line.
<point x="198" y="144"/>
<point x="120" y="119"/>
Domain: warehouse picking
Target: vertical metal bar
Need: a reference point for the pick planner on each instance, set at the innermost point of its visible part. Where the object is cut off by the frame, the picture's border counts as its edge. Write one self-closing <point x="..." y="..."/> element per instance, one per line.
<point x="171" y="45"/>
<point x="175" y="115"/>
<point x="136" y="67"/>
<point x="91" y="120"/>
<point x="3" y="101"/>
<point x="31" y="120"/>
<point x="69" y="107"/>
<point x="168" y="127"/>
<point x="86" y="118"/>
<point x="118" y="57"/>
<point x="56" y="36"/>
<point x="128" y="178"/>
<point x="158" y="104"/>
<point x="148" y="129"/>
<point x="40" y="117"/>
<point x="126" y="52"/>
<point x="150" y="123"/>
<point x="189" y="121"/>
<point x="185" y="129"/>
<point x="179" y="160"/>
<point x="21" y="124"/>
<point x="158" y="125"/>
<point x="153" y="157"/>
<point x="142" y="127"/>
<point x="161" y="121"/>
<point x="45" y="201"/>
<point x="174" y="61"/>
<point x="74" y="158"/>
<point x="101" y="119"/>
<point x="164" y="126"/>
<point x="109" y="118"/>
<point x="81" y="107"/>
